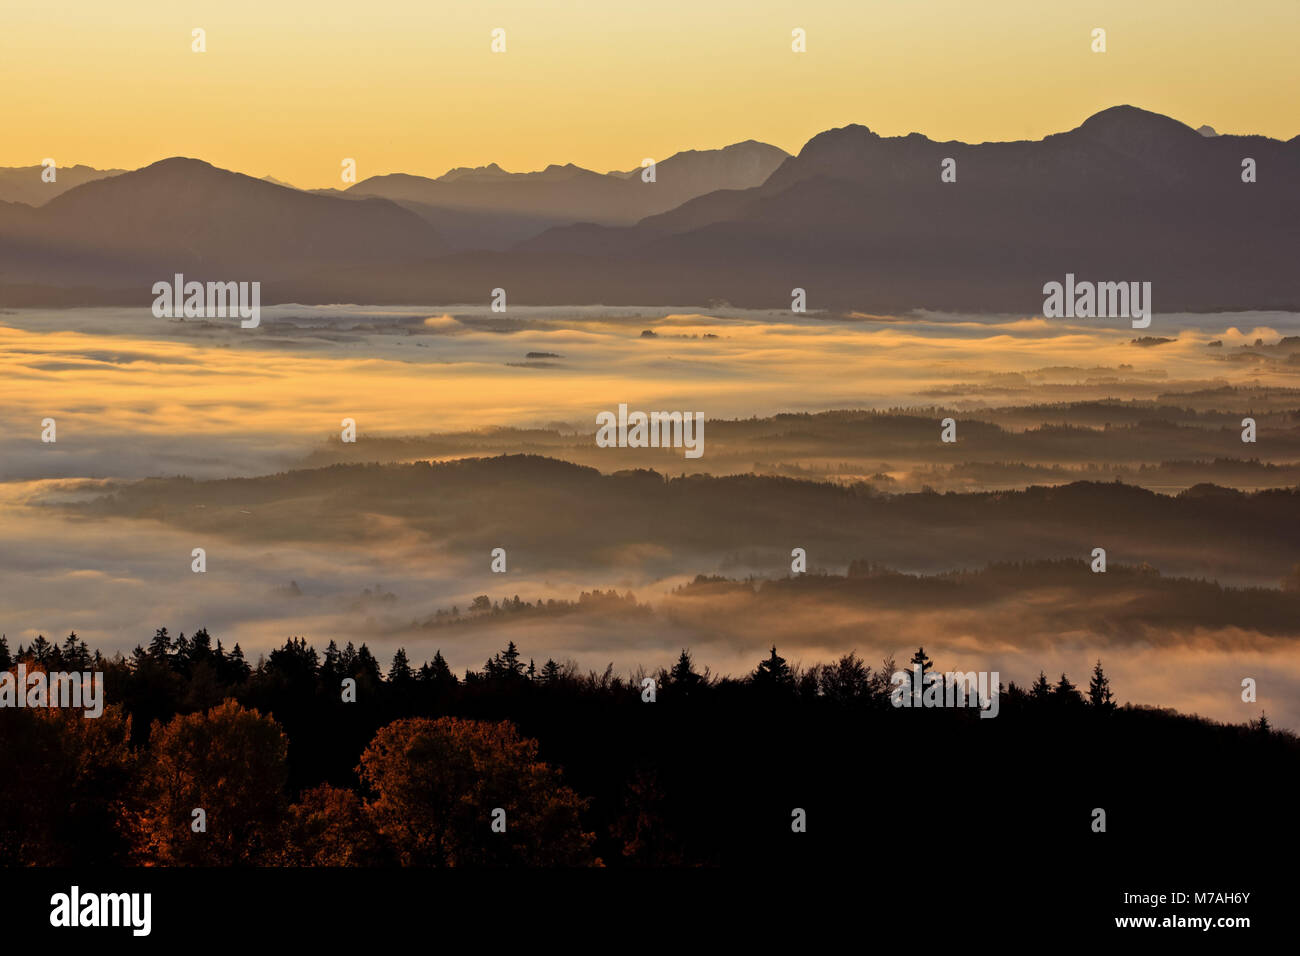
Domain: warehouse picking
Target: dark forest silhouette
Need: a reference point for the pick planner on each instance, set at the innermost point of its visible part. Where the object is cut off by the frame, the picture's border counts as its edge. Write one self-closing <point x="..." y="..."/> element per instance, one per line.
<point x="709" y="773"/>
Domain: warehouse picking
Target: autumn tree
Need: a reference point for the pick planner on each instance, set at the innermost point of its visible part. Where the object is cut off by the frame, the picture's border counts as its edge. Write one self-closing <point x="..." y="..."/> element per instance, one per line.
<point x="229" y="762"/>
<point x="436" y="784"/>
<point x="328" y="826"/>
<point x="647" y="838"/>
<point x="63" y="779"/>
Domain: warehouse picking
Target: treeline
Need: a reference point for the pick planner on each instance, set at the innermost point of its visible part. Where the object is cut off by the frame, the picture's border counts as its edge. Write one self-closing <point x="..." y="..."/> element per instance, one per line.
<point x="559" y="515"/>
<point x="483" y="608"/>
<point x="1156" y="608"/>
<point x="581" y="768"/>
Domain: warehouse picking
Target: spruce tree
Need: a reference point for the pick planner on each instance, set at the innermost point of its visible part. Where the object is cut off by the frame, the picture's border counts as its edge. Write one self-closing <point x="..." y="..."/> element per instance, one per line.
<point x="239" y="668"/>
<point x="330" y="674"/>
<point x="773" y="673"/>
<point x="1041" y="690"/>
<point x="399" y="672"/>
<point x="1066" y="692"/>
<point x="1099" y="694"/>
<point x="160" y="646"/>
<point x="683" y="674"/>
<point x="511" y="665"/>
<point x="40" y="649"/>
<point x="439" y="672"/>
<point x="365" y="666"/>
<point x="923" y="660"/>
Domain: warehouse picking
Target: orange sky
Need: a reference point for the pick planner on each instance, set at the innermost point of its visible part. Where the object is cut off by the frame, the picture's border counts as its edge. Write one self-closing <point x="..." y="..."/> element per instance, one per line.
<point x="291" y="88"/>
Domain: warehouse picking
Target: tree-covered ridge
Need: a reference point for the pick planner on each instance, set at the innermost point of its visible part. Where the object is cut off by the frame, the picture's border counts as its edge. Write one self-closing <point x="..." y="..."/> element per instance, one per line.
<point x="584" y="767"/>
<point x="560" y="515"/>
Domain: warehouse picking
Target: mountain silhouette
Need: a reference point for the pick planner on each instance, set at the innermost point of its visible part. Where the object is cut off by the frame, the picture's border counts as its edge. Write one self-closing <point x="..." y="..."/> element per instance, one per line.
<point x="863" y="221"/>
<point x="573" y="194"/>
<point x="859" y="220"/>
<point x="489" y="208"/>
<point x="184" y="215"/>
<point x="25" y="184"/>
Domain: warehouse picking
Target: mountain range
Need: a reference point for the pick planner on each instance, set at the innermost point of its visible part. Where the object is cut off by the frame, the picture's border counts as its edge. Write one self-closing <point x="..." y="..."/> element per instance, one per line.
<point x="489" y="208"/>
<point x="859" y="220"/>
<point x="27" y="184"/>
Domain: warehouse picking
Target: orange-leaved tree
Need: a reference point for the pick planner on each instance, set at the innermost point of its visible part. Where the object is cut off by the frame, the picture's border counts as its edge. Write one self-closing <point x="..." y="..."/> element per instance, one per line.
<point x="328" y="826"/>
<point x="62" y="781"/>
<point x="439" y="786"/>
<point x="228" y="762"/>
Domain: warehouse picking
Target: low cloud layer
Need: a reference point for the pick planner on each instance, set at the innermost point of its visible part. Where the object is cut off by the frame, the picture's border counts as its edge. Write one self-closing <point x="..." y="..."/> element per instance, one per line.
<point x="137" y="397"/>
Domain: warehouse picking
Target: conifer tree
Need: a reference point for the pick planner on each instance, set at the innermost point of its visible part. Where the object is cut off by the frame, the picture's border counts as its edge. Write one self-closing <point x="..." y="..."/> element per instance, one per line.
<point x="400" y="670"/>
<point x="773" y="673"/>
<point x="1065" y="691"/>
<point x="441" y="672"/>
<point x="1041" y="689"/>
<point x="683" y="674"/>
<point x="40" y="649"/>
<point x="511" y="665"/>
<point x="1099" y="694"/>
<point x="921" y="659"/>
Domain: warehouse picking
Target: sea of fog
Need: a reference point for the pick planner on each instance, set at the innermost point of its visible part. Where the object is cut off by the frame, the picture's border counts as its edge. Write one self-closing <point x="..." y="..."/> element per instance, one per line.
<point x="135" y="396"/>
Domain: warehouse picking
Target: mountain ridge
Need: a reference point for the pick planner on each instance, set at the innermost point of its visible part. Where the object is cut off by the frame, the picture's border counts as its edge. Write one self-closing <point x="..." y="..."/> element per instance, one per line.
<point x="859" y="220"/>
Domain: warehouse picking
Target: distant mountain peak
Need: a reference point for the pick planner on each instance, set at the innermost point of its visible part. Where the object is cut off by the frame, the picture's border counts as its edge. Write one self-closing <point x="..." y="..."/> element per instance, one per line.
<point x="27" y="185"/>
<point x="1208" y="130"/>
<point x="1129" y="122"/>
<point x="177" y="162"/>
<point x="469" y="172"/>
<point x="557" y="171"/>
<point x="841" y="138"/>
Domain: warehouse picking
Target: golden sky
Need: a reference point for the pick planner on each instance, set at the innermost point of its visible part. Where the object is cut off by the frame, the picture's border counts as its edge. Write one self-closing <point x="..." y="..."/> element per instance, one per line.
<point x="291" y="87"/>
